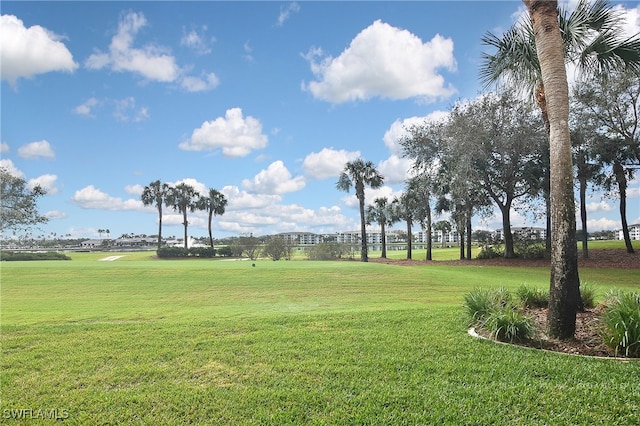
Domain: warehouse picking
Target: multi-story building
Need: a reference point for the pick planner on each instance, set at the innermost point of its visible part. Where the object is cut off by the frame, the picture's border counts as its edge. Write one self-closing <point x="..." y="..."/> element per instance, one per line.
<point x="634" y="232"/>
<point x="301" y="238"/>
<point x="524" y="231"/>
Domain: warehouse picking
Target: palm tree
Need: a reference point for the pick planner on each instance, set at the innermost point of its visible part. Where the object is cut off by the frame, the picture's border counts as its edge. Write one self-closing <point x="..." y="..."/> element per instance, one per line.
<point x="444" y="226"/>
<point x="381" y="213"/>
<point x="532" y="55"/>
<point x="360" y="173"/>
<point x="564" y="292"/>
<point x="156" y="193"/>
<point x="406" y="207"/>
<point x="215" y="205"/>
<point x="183" y="197"/>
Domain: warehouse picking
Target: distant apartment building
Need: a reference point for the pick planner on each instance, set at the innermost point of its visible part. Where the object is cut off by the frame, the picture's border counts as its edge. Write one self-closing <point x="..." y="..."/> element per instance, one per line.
<point x="524" y="231"/>
<point x="301" y="238"/>
<point x="634" y="232"/>
<point x="373" y="237"/>
<point x="437" y="237"/>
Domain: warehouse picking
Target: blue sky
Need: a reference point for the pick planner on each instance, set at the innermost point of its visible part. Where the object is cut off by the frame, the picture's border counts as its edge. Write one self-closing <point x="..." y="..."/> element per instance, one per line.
<point x="264" y="101"/>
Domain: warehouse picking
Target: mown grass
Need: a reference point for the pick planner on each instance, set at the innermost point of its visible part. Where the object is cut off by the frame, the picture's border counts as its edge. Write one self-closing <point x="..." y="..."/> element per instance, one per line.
<point x="147" y="341"/>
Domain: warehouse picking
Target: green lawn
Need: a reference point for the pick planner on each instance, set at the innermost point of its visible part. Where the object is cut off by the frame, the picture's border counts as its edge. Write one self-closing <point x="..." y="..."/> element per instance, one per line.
<point x="146" y="341"/>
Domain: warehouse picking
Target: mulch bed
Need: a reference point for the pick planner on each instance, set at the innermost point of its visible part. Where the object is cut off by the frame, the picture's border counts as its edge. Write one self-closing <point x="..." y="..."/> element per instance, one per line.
<point x="587" y="340"/>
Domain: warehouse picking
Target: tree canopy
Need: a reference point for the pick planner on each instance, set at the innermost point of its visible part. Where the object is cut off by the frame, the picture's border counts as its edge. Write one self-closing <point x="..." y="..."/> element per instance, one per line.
<point x="19" y="209"/>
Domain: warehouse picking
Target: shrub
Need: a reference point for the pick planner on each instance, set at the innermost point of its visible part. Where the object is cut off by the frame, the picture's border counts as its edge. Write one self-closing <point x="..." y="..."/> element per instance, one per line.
<point x="165" y="252"/>
<point x="588" y="295"/>
<point x="326" y="251"/>
<point x="490" y="252"/>
<point x="533" y="297"/>
<point x="529" y="245"/>
<point x="15" y="256"/>
<point x="207" y="252"/>
<point x="622" y="323"/>
<point x="225" y="251"/>
<point x="509" y="324"/>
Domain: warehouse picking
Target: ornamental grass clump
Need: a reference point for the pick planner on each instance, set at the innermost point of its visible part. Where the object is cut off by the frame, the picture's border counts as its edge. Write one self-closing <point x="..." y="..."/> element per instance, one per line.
<point x="509" y="324"/>
<point x="533" y="297"/>
<point x="479" y="302"/>
<point x="494" y="312"/>
<point x="588" y="295"/>
<point x="622" y="323"/>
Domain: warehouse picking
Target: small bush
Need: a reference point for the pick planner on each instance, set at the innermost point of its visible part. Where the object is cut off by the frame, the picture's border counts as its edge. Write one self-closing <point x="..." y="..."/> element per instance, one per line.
<point x="530" y="251"/>
<point x="509" y="324"/>
<point x="167" y="252"/>
<point x="326" y="251"/>
<point x="225" y="251"/>
<point x="533" y="297"/>
<point x="490" y="252"/>
<point x="622" y="323"/>
<point x="588" y="295"/>
<point x="206" y="252"/>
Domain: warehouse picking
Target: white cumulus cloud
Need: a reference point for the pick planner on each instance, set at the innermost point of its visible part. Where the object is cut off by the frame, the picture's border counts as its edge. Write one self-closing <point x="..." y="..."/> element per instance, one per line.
<point x="327" y="163"/>
<point x="46" y="182"/>
<point x="395" y="169"/>
<point x="35" y="150"/>
<point x="8" y="165"/>
<point x="151" y="61"/>
<point x="242" y="200"/>
<point x="275" y="179"/>
<point x="25" y="52"/>
<point x="234" y="134"/>
<point x="602" y="224"/>
<point x="399" y="129"/>
<point x="384" y="61"/>
<point x="91" y="197"/>
<point x="602" y="206"/>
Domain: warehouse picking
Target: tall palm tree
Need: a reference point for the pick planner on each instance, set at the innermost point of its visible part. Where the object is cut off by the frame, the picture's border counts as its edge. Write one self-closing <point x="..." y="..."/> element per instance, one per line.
<point x="590" y="37"/>
<point x="156" y="193"/>
<point x="381" y="213"/>
<point x="406" y="208"/>
<point x="215" y="205"/>
<point x="183" y="198"/>
<point x="360" y="173"/>
<point x="420" y="186"/>
<point x="564" y="292"/>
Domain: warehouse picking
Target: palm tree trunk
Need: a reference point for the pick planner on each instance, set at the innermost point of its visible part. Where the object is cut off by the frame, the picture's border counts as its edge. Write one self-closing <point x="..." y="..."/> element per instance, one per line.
<point x="564" y="294"/>
<point x="210" y="234"/>
<point x="364" y="257"/>
<point x="185" y="223"/>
